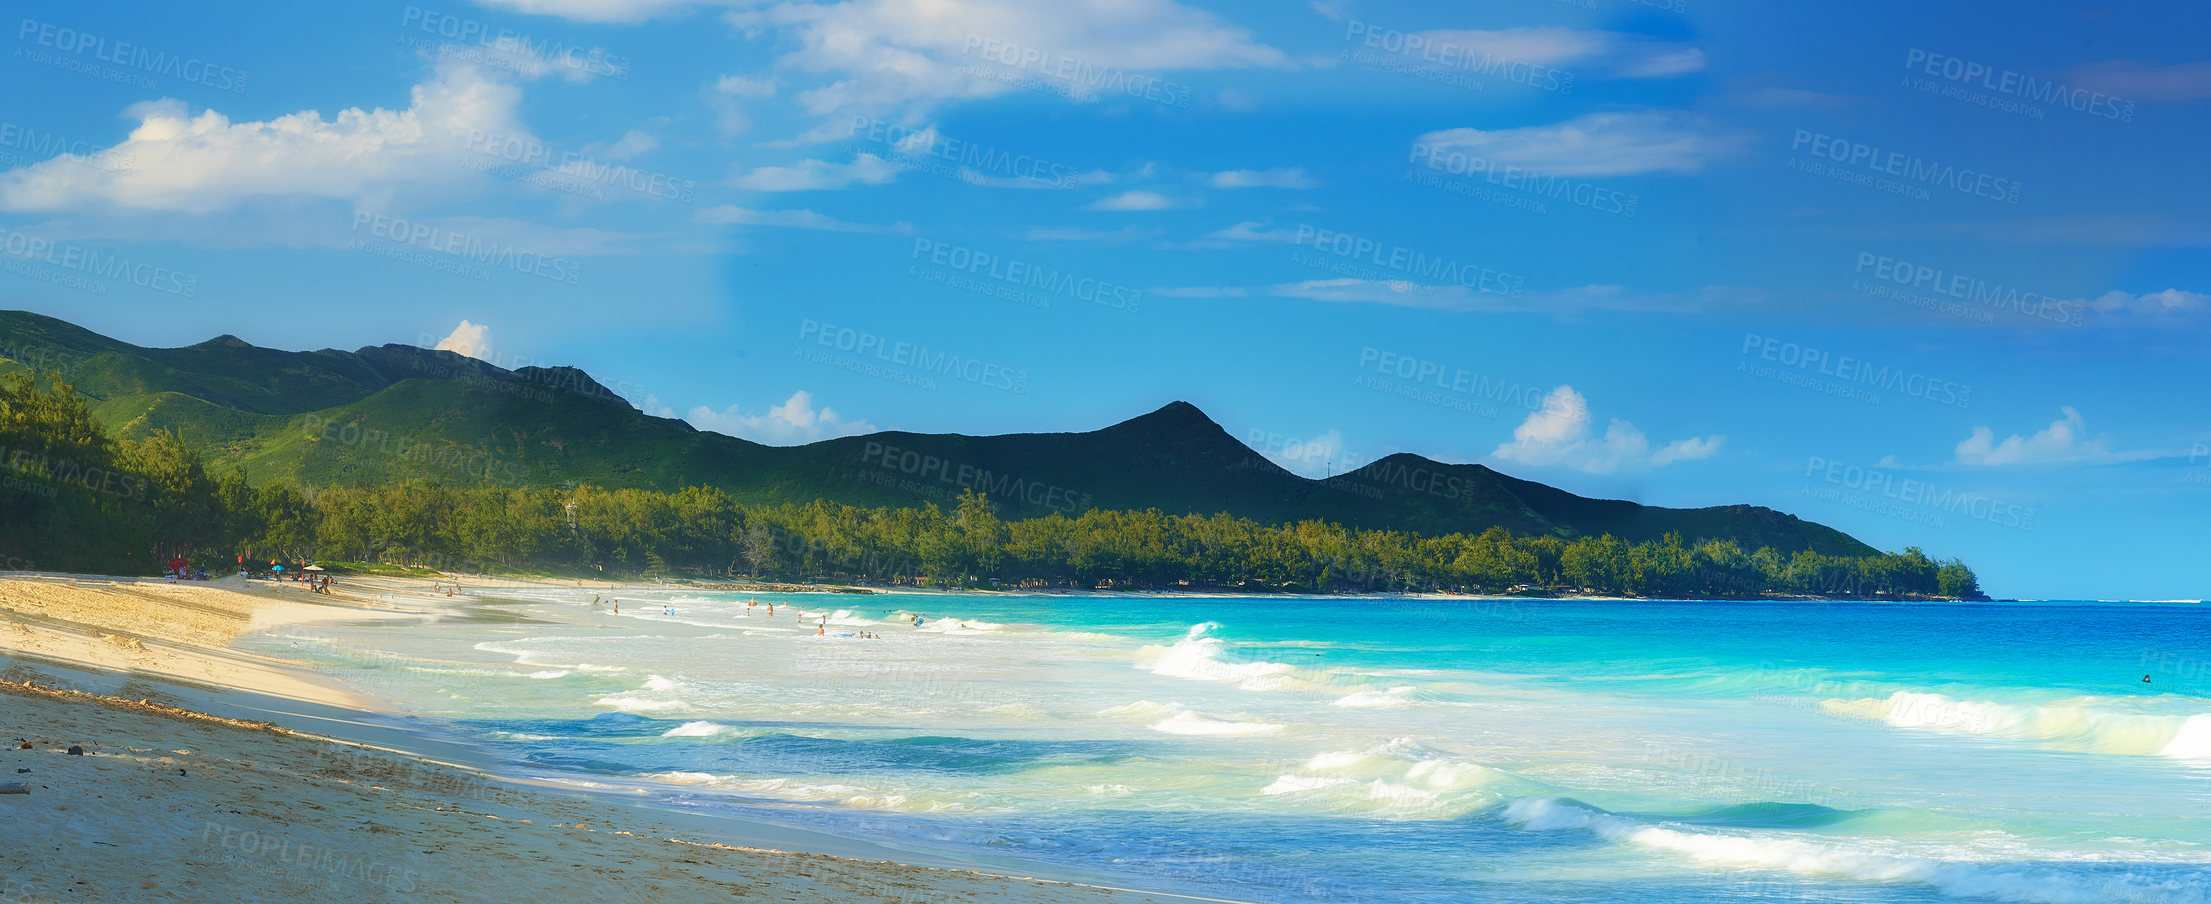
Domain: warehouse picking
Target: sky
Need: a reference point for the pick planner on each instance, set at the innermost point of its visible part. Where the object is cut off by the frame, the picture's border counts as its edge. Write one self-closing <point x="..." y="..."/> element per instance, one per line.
<point x="1934" y="276"/>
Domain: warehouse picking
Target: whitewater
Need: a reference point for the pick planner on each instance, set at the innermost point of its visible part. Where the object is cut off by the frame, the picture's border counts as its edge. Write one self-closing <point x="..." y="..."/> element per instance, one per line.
<point x="1368" y="749"/>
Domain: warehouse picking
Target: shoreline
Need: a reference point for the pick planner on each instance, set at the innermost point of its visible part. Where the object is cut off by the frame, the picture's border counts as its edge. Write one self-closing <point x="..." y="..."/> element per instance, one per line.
<point x="200" y="757"/>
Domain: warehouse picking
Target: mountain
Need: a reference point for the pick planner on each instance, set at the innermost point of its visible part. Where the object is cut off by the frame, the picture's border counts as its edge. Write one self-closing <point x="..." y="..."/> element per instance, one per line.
<point x="396" y="413"/>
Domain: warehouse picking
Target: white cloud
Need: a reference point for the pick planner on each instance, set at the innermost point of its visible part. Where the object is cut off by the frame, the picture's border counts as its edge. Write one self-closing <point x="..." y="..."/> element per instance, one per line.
<point x="2065" y="440"/>
<point x="1133" y="200"/>
<point x="1590" y="54"/>
<point x="206" y="163"/>
<point x="1292" y="177"/>
<point x="1235" y="236"/>
<point x="1121" y="236"/>
<point x="1493" y="294"/>
<point x="793" y="422"/>
<point x="726" y="98"/>
<point x="741" y="86"/>
<point x="631" y="144"/>
<point x="2132" y="80"/>
<point x="1690" y="449"/>
<point x="2170" y="301"/>
<point x="1594" y="144"/>
<point x="1560" y="435"/>
<point x="795" y="219"/>
<point x="900" y="56"/>
<point x="602" y="11"/>
<point x="471" y="339"/>
<point x="814" y="175"/>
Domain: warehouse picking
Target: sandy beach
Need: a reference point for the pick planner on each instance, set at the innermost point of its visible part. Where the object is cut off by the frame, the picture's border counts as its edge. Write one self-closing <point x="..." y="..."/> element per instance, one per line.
<point x="212" y="774"/>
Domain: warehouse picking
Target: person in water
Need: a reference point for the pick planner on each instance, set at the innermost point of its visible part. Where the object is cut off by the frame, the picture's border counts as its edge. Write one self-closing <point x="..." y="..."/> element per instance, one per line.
<point x="2145" y="679"/>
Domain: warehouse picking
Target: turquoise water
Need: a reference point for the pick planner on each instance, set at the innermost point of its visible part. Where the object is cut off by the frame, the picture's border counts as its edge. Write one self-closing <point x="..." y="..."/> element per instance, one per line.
<point x="1308" y="750"/>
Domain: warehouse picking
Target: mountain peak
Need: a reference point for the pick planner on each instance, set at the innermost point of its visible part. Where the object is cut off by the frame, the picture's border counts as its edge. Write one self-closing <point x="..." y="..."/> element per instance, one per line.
<point x="1176" y="413"/>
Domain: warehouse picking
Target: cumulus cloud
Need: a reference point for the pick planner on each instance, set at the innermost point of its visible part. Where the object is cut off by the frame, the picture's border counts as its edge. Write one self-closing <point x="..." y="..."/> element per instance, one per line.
<point x="1560" y="434"/>
<point x="202" y="163"/>
<point x="632" y="143"/>
<point x="2134" y="80"/>
<point x="1490" y="291"/>
<point x="1292" y="177"/>
<point x="2065" y="440"/>
<point x="601" y="11"/>
<point x="1133" y="200"/>
<point x="1593" y="144"/>
<point x="470" y="339"/>
<point x="817" y="175"/>
<point x="2170" y="301"/>
<point x="1586" y="53"/>
<point x="794" y="219"/>
<point x="899" y="56"/>
<point x="1121" y="236"/>
<point x="793" y="422"/>
<point x="727" y="96"/>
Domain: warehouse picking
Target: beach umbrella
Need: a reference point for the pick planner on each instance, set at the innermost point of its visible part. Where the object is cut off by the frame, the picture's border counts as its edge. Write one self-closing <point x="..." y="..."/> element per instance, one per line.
<point x="313" y="568"/>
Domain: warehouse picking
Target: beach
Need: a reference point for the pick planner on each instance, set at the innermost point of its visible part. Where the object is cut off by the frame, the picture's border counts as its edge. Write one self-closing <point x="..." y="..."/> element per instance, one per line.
<point x="654" y="741"/>
<point x="209" y="773"/>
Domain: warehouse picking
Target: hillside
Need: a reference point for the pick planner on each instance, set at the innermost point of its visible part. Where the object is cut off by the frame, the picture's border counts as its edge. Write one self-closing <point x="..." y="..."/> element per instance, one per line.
<point x="396" y="413"/>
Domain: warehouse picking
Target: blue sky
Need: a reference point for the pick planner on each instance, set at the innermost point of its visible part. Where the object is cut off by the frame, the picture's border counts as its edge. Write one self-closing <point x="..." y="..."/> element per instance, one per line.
<point x="1933" y="276"/>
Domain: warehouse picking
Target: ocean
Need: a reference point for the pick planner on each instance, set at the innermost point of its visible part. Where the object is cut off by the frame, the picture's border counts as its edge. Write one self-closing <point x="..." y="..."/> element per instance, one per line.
<point x="1367" y="749"/>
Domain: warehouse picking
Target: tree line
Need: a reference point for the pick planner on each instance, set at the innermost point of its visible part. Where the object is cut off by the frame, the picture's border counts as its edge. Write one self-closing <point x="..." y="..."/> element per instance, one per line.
<point x="77" y="498"/>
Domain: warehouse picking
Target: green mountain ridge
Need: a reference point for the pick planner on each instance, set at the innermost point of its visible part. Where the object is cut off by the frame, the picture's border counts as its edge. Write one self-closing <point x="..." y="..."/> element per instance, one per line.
<point x="395" y="413"/>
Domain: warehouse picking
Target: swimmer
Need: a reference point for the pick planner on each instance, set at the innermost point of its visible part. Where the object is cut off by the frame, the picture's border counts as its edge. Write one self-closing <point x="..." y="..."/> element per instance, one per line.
<point x="2145" y="679"/>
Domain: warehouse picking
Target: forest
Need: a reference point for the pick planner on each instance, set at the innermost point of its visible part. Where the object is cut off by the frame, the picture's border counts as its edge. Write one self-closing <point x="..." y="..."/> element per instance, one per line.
<point x="77" y="498"/>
